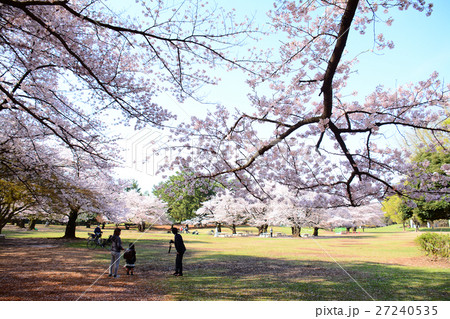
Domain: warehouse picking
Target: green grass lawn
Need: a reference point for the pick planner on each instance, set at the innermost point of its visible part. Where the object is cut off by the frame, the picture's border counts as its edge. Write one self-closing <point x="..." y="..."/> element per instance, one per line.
<point x="380" y="264"/>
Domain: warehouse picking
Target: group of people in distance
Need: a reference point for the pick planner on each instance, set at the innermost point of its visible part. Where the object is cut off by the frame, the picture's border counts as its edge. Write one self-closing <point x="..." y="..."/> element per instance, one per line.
<point x="130" y="253"/>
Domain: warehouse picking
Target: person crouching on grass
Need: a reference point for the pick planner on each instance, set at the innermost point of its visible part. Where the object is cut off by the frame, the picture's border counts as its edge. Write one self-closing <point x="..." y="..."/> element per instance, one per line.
<point x="179" y="246"/>
<point x="130" y="258"/>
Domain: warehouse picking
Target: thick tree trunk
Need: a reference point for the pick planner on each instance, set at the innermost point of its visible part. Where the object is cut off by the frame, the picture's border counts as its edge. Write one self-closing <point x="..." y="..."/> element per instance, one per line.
<point x="262" y="229"/>
<point x="219" y="227"/>
<point x="32" y="224"/>
<point x="71" y="224"/>
<point x="296" y="231"/>
<point x="316" y="231"/>
<point x="6" y="216"/>
<point x="233" y="228"/>
<point x="21" y="223"/>
<point x="141" y="226"/>
<point x="3" y="223"/>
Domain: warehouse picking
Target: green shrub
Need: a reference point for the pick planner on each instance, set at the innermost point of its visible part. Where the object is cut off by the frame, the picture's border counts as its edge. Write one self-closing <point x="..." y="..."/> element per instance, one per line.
<point x="434" y="244"/>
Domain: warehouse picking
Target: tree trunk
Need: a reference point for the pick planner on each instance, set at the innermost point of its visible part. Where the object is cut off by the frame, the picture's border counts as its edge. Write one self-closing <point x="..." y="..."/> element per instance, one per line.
<point x="3" y="223"/>
<point x="32" y="224"/>
<point x="71" y="224"/>
<point x="233" y="228"/>
<point x="21" y="223"/>
<point x="316" y="231"/>
<point x="262" y="229"/>
<point x="141" y="226"/>
<point x="219" y="227"/>
<point x="296" y="231"/>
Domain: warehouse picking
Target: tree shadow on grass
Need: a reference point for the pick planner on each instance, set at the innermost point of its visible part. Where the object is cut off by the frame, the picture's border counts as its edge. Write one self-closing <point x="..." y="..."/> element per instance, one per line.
<point x="234" y="277"/>
<point x="218" y="276"/>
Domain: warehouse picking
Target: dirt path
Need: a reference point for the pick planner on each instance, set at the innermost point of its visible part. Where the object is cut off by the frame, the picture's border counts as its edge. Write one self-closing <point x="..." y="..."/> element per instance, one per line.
<point x="46" y="269"/>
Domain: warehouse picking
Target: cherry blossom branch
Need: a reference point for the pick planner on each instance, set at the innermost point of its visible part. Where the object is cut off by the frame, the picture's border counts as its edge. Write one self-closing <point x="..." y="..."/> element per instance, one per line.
<point x="327" y="86"/>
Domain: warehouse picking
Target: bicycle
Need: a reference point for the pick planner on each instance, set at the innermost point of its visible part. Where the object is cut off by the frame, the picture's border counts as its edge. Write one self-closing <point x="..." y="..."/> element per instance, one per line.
<point x="93" y="242"/>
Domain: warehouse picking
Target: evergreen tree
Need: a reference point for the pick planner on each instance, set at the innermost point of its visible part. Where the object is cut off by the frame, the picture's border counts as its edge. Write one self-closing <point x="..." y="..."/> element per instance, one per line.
<point x="184" y="195"/>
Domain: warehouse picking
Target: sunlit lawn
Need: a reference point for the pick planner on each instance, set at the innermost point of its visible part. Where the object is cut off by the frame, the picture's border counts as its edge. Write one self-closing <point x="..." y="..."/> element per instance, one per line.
<point x="380" y="264"/>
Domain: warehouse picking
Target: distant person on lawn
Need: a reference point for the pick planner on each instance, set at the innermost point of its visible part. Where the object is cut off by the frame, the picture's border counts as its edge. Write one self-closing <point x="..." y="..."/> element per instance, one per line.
<point x="179" y="246"/>
<point x="116" y="248"/>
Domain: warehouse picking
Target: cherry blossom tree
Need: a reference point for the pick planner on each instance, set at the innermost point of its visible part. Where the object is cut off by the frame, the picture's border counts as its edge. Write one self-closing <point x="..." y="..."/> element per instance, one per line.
<point x="224" y="208"/>
<point x="14" y="199"/>
<point x="282" y="210"/>
<point x="286" y="208"/>
<point x="66" y="67"/>
<point x="258" y="215"/>
<point x="21" y="171"/>
<point x="353" y="217"/>
<point x="65" y="64"/>
<point x="204" y="214"/>
<point x="305" y="131"/>
<point x="60" y="183"/>
<point x="142" y="209"/>
<point x="82" y="186"/>
<point x="300" y="209"/>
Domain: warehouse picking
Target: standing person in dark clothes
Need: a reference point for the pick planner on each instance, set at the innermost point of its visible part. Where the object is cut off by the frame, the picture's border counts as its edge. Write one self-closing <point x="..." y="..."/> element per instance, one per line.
<point x="179" y="246"/>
